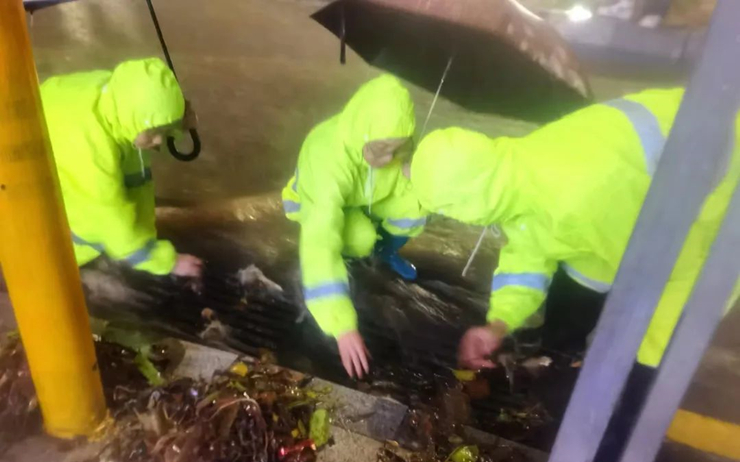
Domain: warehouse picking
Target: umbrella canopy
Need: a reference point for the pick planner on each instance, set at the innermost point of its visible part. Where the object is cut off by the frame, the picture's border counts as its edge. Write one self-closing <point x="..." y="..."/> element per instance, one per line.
<point x="34" y="5"/>
<point x="496" y="56"/>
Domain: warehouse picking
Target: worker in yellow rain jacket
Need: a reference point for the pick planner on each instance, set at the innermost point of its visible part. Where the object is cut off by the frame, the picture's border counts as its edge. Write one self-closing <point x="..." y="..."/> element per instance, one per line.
<point x="102" y="125"/>
<point x="567" y="197"/>
<point x="351" y="199"/>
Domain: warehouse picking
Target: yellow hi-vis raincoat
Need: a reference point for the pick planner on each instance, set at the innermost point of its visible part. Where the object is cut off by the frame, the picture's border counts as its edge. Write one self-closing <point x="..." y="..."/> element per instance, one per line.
<point x="93" y="119"/>
<point x="569" y="194"/>
<point x="336" y="196"/>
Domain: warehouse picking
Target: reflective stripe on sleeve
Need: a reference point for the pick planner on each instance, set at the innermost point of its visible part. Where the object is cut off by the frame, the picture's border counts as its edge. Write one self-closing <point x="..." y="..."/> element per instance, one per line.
<point x="80" y="241"/>
<point x="325" y="290"/>
<point x="593" y="284"/>
<point x="646" y="126"/>
<point x="407" y="223"/>
<point x="141" y="255"/>
<point x="537" y="281"/>
<point x="291" y="206"/>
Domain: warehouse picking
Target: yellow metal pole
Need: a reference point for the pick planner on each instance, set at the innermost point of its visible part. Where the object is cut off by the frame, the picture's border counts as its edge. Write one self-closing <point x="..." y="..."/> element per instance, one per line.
<point x="36" y="247"/>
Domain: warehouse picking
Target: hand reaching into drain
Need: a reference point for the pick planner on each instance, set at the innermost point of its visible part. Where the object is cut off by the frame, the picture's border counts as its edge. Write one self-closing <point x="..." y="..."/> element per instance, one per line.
<point x="354" y="354"/>
<point x="188" y="266"/>
<point x="479" y="343"/>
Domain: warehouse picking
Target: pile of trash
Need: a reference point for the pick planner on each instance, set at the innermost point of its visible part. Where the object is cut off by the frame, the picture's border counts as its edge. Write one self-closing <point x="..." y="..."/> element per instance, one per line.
<point x="253" y="411"/>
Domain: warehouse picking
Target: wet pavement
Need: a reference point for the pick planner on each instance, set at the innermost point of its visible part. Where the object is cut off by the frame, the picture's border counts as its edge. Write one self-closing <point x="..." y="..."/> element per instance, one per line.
<point x="260" y="75"/>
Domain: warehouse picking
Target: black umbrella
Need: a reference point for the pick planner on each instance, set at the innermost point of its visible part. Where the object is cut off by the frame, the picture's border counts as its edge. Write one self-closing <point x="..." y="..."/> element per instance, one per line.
<point x="489" y="56"/>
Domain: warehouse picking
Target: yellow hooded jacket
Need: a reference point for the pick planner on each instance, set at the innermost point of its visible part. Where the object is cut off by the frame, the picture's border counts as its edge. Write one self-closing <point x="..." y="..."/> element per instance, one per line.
<point x="334" y="191"/>
<point x="93" y="119"/>
<point x="568" y="194"/>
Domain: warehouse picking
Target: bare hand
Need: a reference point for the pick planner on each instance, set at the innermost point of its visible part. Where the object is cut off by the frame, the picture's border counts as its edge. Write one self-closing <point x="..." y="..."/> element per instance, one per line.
<point x="354" y="354"/>
<point x="188" y="266"/>
<point x="479" y="343"/>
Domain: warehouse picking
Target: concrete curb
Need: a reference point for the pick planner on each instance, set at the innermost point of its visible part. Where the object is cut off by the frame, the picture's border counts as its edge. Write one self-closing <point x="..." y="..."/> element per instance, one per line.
<point x="380" y="417"/>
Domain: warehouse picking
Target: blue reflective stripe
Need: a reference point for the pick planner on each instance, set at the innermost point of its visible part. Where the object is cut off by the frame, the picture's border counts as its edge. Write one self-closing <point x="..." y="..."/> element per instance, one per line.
<point x="598" y="286"/>
<point x="295" y="182"/>
<point x="537" y="281"/>
<point x="80" y="241"/>
<point x="134" y="180"/>
<point x="325" y="290"/>
<point x="141" y="255"/>
<point x="407" y="223"/>
<point x="291" y="206"/>
<point x="647" y="127"/>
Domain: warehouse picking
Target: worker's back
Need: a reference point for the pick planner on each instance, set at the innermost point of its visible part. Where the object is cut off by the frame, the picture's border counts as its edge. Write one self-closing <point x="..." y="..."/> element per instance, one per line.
<point x="570" y="193"/>
<point x="70" y="107"/>
<point x="588" y="175"/>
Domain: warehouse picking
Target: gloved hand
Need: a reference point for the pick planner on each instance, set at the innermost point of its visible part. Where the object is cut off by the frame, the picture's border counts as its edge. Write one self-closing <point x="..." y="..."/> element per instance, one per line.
<point x="387" y="250"/>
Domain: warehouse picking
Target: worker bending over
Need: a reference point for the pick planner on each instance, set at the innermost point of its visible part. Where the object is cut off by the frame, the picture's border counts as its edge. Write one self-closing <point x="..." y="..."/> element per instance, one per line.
<point x="567" y="198"/>
<point x="101" y="126"/>
<point x="352" y="200"/>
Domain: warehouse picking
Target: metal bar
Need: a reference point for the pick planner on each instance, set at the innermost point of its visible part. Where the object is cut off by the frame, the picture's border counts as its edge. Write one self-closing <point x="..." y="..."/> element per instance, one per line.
<point x="703" y="313"/>
<point x="701" y="316"/>
<point x="36" y="247"/>
<point x="694" y="152"/>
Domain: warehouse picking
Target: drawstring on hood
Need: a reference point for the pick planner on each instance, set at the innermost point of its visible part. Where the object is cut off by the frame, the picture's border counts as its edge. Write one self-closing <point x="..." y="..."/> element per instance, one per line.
<point x="369" y="183"/>
<point x="495" y="230"/>
<point x="370" y="188"/>
<point x="141" y="163"/>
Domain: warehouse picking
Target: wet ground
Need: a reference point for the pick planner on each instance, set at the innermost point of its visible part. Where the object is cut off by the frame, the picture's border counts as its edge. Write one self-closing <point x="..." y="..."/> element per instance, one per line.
<point x="260" y="74"/>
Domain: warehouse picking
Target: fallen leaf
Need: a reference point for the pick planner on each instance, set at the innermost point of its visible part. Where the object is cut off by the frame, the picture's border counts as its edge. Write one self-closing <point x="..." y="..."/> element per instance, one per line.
<point x="239" y="369"/>
<point x="320" y="427"/>
<point x="464" y="375"/>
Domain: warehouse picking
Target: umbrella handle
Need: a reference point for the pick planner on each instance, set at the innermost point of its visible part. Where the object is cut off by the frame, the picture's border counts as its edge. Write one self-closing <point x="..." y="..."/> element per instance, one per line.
<point x="183" y="157"/>
<point x="343" y="39"/>
<point x="193" y="133"/>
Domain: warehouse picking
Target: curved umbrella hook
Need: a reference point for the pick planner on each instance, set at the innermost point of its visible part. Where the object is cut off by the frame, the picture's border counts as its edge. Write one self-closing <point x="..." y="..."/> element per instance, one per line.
<point x="181" y="156"/>
<point x="184" y="157"/>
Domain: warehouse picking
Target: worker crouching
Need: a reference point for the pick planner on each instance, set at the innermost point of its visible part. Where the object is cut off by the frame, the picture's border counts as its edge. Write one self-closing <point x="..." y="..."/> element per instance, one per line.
<point x="352" y="201"/>
<point x="567" y="198"/>
<point x="102" y="125"/>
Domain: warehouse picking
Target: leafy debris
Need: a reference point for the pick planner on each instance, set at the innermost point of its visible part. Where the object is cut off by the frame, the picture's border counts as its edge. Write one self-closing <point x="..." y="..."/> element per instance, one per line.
<point x="255" y="412"/>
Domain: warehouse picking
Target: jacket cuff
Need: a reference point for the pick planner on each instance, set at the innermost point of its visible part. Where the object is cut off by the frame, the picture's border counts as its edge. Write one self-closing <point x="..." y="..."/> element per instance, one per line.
<point x="335" y="316"/>
<point x="160" y="259"/>
<point x="513" y="306"/>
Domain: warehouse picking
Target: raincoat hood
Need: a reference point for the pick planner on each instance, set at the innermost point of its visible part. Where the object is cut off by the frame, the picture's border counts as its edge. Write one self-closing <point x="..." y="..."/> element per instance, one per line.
<point x="381" y="109"/>
<point x="463" y="175"/>
<point x="140" y="95"/>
